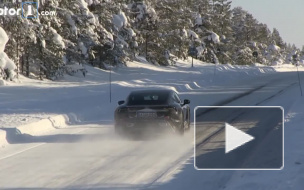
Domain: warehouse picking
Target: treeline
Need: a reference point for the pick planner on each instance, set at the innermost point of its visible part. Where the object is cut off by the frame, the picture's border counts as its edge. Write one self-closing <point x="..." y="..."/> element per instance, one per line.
<point x="112" y="32"/>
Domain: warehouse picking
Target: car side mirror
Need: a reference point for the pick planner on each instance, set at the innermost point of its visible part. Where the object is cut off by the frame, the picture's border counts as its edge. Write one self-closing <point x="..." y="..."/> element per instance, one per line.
<point x="186" y="101"/>
<point x="121" y="102"/>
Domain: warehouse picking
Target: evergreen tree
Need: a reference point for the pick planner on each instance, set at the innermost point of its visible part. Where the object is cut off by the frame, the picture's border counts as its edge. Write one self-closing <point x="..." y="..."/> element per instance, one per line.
<point x="174" y="20"/>
<point x="222" y="14"/>
<point x="145" y="23"/>
<point x="277" y="38"/>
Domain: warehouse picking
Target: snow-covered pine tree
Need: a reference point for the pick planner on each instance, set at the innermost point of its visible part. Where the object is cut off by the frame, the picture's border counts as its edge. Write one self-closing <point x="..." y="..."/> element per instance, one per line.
<point x="145" y="23"/>
<point x="302" y="56"/>
<point x="209" y="39"/>
<point x="117" y="38"/>
<point x="174" y="20"/>
<point x="273" y="55"/>
<point x="275" y="36"/>
<point x="249" y="35"/>
<point x="7" y="66"/>
<point x="221" y="18"/>
<point x="83" y="27"/>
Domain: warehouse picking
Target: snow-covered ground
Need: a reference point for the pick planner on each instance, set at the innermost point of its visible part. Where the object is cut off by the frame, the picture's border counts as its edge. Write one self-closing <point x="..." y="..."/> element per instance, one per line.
<point x="86" y="100"/>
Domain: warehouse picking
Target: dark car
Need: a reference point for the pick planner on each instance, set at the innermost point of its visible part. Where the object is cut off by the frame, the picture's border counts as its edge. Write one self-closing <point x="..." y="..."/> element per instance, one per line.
<point x="152" y="110"/>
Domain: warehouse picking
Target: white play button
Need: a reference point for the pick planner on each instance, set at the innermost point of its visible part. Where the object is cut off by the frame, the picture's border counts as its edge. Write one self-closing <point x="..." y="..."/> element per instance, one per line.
<point x="235" y="138"/>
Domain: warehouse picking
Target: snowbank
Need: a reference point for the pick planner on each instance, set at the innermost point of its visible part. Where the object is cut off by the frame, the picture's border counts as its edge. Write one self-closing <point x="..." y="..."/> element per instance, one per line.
<point x="3" y="141"/>
<point x="2" y="82"/>
<point x="3" y="39"/>
<point x="59" y="121"/>
<point x="277" y="62"/>
<point x="87" y="97"/>
<point x="43" y="126"/>
<point x="5" y="61"/>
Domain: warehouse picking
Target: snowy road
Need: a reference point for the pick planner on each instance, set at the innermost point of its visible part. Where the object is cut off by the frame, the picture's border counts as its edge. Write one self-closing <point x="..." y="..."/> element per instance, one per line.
<point x="264" y="124"/>
<point x="92" y="157"/>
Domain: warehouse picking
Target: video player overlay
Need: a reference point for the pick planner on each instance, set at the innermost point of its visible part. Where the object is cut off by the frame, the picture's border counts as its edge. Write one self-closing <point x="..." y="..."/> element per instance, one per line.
<point x="239" y="138"/>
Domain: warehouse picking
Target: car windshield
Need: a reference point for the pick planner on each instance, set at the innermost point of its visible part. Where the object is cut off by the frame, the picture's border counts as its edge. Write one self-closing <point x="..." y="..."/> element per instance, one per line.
<point x="148" y="98"/>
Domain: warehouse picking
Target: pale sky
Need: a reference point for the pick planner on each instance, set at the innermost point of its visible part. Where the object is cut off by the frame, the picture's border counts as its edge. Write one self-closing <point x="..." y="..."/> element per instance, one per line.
<point x="285" y="15"/>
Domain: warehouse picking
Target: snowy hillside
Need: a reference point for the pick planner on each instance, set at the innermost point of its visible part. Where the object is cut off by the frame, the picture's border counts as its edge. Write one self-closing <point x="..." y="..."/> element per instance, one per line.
<point x="86" y="99"/>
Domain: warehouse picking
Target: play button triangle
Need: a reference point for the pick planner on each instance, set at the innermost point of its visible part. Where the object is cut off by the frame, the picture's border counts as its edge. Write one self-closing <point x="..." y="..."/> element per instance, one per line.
<point x="235" y="138"/>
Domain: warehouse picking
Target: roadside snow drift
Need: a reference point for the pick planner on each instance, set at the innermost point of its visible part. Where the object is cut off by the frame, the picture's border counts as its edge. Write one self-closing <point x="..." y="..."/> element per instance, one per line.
<point x="5" y="61"/>
<point x="3" y="141"/>
<point x="43" y="126"/>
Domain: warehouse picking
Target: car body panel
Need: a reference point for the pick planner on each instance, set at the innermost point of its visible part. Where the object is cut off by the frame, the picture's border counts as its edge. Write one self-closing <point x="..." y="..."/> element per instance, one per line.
<point x="155" y="110"/>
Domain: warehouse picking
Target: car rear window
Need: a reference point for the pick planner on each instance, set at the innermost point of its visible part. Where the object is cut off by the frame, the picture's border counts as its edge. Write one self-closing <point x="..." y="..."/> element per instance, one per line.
<point x="148" y="98"/>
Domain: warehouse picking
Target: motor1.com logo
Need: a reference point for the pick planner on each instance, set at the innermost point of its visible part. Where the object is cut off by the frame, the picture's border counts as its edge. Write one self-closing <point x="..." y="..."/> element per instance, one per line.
<point x="28" y="10"/>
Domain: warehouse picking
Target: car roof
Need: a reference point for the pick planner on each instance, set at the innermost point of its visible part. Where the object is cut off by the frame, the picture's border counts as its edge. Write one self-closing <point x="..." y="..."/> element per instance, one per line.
<point x="152" y="91"/>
